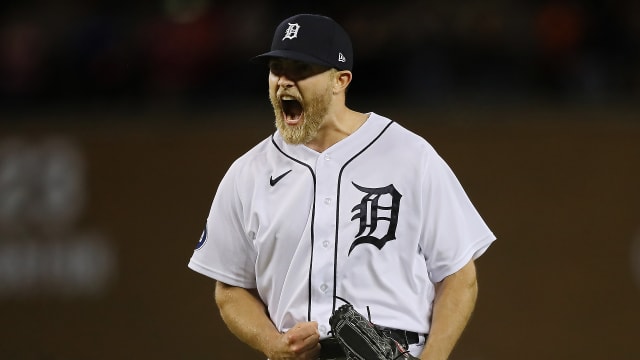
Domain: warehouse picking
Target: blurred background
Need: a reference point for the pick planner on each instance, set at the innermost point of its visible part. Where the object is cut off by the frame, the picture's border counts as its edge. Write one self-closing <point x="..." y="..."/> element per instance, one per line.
<point x="119" y="118"/>
<point x="195" y="52"/>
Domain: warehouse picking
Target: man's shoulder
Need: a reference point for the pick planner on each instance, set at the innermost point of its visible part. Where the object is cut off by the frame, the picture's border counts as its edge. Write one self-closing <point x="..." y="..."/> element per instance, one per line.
<point x="257" y="152"/>
<point x="400" y="134"/>
<point x="252" y="158"/>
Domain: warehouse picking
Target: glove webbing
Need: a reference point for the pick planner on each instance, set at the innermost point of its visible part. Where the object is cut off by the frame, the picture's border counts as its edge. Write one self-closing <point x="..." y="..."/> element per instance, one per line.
<point x="360" y="338"/>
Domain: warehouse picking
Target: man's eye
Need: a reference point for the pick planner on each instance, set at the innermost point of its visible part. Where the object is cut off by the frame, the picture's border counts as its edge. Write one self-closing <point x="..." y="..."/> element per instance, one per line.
<point x="302" y="68"/>
<point x="275" y="68"/>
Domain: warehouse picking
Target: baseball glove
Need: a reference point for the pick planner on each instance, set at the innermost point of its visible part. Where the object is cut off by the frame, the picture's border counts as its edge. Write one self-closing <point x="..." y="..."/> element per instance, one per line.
<point x="362" y="340"/>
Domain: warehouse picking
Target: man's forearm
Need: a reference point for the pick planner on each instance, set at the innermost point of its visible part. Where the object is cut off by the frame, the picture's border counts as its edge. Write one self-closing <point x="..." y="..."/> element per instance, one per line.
<point x="454" y="302"/>
<point x="245" y="316"/>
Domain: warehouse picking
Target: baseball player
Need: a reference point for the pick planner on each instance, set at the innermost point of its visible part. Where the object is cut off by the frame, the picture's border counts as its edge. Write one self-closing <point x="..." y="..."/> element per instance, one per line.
<point x="338" y="205"/>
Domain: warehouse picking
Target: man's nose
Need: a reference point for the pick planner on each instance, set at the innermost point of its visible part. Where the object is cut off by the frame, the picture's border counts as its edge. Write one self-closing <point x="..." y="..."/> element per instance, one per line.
<point x="284" y="81"/>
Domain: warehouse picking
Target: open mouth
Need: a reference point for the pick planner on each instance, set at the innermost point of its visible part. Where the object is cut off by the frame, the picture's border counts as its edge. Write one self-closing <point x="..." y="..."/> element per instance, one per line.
<point x="292" y="110"/>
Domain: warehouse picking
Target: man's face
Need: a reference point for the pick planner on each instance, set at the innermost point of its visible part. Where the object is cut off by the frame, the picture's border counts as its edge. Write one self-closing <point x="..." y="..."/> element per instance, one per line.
<point x="301" y="95"/>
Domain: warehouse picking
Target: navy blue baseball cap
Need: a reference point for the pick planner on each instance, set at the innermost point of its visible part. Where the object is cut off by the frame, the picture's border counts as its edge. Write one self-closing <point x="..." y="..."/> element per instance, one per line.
<point x="314" y="39"/>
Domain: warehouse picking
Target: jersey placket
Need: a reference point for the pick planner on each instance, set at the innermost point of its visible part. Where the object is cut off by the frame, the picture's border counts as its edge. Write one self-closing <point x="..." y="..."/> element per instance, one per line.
<point x="322" y="276"/>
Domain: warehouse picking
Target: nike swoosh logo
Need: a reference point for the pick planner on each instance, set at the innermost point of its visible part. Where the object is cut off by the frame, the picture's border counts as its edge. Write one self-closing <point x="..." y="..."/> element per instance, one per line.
<point x="273" y="181"/>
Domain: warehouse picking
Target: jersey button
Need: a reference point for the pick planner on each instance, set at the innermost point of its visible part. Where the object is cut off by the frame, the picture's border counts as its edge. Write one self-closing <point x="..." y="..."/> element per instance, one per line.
<point x="324" y="287"/>
<point x="327" y="201"/>
<point x="323" y="329"/>
<point x="327" y="157"/>
<point x="325" y="244"/>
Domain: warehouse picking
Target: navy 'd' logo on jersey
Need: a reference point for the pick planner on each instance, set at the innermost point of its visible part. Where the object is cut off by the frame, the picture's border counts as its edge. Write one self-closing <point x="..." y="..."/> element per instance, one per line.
<point x="378" y="205"/>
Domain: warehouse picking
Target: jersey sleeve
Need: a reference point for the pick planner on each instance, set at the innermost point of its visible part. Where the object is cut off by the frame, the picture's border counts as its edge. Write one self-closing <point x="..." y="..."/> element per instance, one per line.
<point x="454" y="232"/>
<point x="225" y="253"/>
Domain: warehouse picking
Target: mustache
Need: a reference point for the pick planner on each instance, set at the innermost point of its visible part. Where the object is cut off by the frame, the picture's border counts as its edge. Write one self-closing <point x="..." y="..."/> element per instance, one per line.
<point x="281" y="93"/>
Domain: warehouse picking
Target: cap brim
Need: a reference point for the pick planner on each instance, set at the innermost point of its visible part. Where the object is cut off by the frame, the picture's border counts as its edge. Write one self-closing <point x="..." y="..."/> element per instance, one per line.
<point x="288" y="54"/>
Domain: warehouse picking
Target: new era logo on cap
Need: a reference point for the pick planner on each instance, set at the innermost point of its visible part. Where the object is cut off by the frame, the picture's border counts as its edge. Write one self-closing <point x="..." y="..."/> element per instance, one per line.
<point x="313" y="39"/>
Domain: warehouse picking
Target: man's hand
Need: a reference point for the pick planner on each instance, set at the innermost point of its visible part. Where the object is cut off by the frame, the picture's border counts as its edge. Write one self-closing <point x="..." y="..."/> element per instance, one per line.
<point x="301" y="342"/>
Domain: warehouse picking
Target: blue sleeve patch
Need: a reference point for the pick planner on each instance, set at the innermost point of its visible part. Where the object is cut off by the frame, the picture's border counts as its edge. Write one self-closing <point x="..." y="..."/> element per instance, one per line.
<point x="203" y="239"/>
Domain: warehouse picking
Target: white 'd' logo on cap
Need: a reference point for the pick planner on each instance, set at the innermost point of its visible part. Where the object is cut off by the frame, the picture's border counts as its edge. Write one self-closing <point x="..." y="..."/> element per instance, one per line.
<point x="292" y="31"/>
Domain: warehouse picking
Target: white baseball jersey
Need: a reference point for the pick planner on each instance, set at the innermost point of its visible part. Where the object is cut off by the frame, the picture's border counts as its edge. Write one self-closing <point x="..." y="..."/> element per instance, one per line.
<point x="376" y="219"/>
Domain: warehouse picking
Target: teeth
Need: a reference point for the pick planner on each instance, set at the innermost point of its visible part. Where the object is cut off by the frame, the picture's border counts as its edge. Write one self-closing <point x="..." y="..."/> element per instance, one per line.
<point x="288" y="97"/>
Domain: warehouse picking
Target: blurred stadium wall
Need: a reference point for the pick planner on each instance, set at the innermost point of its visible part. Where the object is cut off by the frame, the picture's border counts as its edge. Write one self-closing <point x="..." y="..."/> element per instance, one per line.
<point x="98" y="223"/>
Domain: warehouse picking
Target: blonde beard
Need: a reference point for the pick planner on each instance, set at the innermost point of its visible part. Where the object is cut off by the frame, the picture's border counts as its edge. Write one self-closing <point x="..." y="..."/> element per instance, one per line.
<point x="314" y="114"/>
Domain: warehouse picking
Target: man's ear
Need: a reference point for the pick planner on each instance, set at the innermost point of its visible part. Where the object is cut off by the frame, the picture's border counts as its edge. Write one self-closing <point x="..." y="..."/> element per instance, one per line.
<point x="342" y="81"/>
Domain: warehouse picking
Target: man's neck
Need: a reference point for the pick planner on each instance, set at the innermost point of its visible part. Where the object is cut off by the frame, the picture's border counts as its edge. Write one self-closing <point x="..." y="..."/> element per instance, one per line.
<point x="336" y="128"/>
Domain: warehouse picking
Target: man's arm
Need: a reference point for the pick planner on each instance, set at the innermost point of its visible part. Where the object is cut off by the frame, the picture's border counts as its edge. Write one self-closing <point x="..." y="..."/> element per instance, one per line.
<point x="454" y="302"/>
<point x="246" y="317"/>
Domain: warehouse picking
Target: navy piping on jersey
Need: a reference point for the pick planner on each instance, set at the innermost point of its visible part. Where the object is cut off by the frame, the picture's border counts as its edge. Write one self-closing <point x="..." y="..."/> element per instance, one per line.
<point x="313" y="215"/>
<point x="335" y="255"/>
